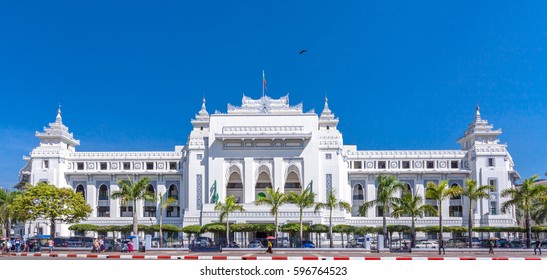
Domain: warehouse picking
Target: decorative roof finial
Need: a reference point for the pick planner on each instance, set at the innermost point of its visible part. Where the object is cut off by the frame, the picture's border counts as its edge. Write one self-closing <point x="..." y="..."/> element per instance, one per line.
<point x="59" y="119"/>
<point x="477" y="113"/>
<point x="203" y="111"/>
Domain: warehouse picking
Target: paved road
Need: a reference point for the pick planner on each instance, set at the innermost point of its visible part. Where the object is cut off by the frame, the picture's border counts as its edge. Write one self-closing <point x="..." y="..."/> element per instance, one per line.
<point x="315" y="254"/>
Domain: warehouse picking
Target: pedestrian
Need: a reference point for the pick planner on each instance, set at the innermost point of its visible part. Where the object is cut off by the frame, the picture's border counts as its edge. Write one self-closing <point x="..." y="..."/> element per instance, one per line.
<point x="50" y="244"/>
<point x="8" y="246"/>
<point x="31" y="245"/>
<point x="537" y="247"/>
<point x="269" y="247"/>
<point x="130" y="247"/>
<point x="491" y="246"/>
<point x="95" y="246"/>
<point x="441" y="246"/>
<point x="17" y="245"/>
<point x="101" y="245"/>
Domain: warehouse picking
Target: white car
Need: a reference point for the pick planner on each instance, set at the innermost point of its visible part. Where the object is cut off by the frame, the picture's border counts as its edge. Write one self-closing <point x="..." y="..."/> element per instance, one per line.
<point x="427" y="244"/>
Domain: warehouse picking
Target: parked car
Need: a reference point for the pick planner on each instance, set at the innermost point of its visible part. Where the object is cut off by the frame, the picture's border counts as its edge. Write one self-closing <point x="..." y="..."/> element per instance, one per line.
<point x="428" y="244"/>
<point x="463" y="242"/>
<point x="307" y="244"/>
<point x="456" y="243"/>
<point x="283" y="242"/>
<point x="233" y="244"/>
<point x="358" y="242"/>
<point x="255" y="244"/>
<point x="202" y="242"/>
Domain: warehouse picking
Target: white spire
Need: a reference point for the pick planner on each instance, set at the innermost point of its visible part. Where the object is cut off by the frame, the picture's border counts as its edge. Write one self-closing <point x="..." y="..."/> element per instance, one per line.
<point x="477" y="113"/>
<point x="203" y="110"/>
<point x="59" y="119"/>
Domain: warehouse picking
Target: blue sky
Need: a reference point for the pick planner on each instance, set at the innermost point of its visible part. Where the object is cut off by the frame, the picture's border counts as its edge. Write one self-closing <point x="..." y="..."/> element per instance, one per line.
<point x="399" y="74"/>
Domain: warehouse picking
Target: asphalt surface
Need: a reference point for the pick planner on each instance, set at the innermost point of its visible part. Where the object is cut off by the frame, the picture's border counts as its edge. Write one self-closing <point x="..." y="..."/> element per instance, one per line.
<point x="319" y="253"/>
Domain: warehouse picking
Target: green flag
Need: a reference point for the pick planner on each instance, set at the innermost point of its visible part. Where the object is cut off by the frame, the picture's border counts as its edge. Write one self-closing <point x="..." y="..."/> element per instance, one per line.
<point x="214" y="198"/>
<point x="310" y="186"/>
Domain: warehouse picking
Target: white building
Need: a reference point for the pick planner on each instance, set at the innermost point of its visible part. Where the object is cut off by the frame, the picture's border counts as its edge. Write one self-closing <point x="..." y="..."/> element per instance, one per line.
<point x="267" y="142"/>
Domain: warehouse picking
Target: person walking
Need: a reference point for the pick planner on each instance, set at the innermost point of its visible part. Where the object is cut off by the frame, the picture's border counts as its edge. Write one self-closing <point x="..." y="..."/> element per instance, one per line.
<point x="50" y="244"/>
<point x="101" y="246"/>
<point x="441" y="246"/>
<point x="130" y="247"/>
<point x="537" y="247"/>
<point x="17" y="245"/>
<point x="491" y="246"/>
<point x="269" y="247"/>
<point x="95" y="246"/>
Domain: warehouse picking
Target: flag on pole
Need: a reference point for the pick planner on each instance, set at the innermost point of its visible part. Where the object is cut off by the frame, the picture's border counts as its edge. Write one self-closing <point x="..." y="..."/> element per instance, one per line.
<point x="310" y="186"/>
<point x="214" y="197"/>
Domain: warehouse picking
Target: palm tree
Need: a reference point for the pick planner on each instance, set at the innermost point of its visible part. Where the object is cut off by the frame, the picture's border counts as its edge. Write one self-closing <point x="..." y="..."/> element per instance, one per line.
<point x="305" y="199"/>
<point x="7" y="215"/>
<point x="163" y="203"/>
<point x="132" y="192"/>
<point x="440" y="193"/>
<point x="474" y="193"/>
<point x="230" y="205"/>
<point x="274" y="199"/>
<point x="388" y="186"/>
<point x="524" y="198"/>
<point x="412" y="205"/>
<point x="331" y="203"/>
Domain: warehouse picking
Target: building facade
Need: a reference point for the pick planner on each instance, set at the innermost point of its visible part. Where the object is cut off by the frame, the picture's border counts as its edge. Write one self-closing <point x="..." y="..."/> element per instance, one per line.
<point x="267" y="142"/>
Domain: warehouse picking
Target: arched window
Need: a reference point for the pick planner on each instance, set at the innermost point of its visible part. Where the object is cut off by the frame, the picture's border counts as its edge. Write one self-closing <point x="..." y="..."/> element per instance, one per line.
<point x="173" y="210"/>
<point x="292" y="184"/>
<point x="263" y="181"/>
<point x="149" y="208"/>
<point x="407" y="189"/>
<point x="103" y="192"/>
<point x="358" y="193"/>
<point x="151" y="190"/>
<point x="173" y="192"/>
<point x="454" y="186"/>
<point x="103" y="208"/>
<point x="235" y="187"/>
<point x="81" y="190"/>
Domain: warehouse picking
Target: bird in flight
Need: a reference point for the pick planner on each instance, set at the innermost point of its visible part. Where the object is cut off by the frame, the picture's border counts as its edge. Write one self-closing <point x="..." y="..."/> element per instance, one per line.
<point x="302" y="51"/>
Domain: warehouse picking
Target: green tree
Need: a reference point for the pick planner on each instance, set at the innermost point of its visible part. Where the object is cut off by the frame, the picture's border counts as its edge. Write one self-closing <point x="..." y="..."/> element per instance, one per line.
<point x="412" y="205"/>
<point x="230" y="205"/>
<point x="52" y="203"/>
<point x="347" y="229"/>
<point x="303" y="200"/>
<point x="473" y="193"/>
<point x="318" y="229"/>
<point x="331" y="203"/>
<point x="164" y="203"/>
<point x="388" y="187"/>
<point x="274" y="199"/>
<point x="7" y="213"/>
<point x="133" y="192"/>
<point x="190" y="230"/>
<point x="524" y="198"/>
<point x="440" y="193"/>
<point x="85" y="228"/>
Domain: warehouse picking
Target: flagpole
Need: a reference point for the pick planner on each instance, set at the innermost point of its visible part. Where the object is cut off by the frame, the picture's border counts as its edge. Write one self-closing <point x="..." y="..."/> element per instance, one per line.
<point x="263" y="79"/>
